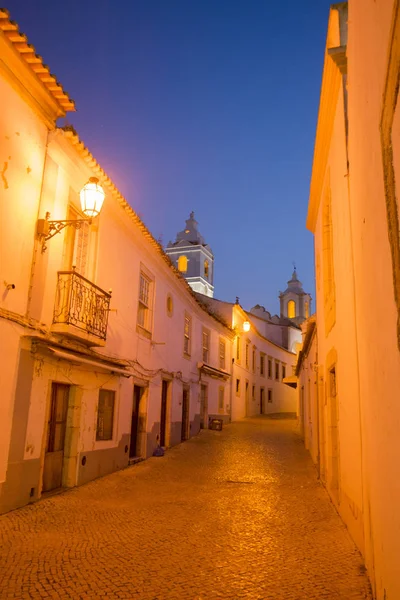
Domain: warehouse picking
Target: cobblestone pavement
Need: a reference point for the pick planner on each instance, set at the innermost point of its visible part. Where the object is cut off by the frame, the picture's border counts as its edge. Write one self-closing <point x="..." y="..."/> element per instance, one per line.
<point x="232" y="514"/>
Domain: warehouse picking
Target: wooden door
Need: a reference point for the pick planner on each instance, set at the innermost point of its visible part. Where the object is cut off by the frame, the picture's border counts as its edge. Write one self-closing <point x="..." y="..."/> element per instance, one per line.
<point x="137" y="394"/>
<point x="163" y="418"/>
<point x="185" y="414"/>
<point x="56" y="426"/>
<point x="203" y="406"/>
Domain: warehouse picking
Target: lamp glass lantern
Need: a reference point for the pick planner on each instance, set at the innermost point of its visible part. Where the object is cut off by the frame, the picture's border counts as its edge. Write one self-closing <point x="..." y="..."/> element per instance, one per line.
<point x="246" y="326"/>
<point x="92" y="197"/>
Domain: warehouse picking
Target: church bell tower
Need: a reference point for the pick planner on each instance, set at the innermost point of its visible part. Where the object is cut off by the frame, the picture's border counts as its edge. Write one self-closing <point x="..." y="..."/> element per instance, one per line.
<point x="295" y="302"/>
<point x="193" y="258"/>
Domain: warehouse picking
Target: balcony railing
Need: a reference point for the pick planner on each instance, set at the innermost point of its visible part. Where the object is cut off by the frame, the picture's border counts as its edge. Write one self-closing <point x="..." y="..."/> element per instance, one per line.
<point x="81" y="303"/>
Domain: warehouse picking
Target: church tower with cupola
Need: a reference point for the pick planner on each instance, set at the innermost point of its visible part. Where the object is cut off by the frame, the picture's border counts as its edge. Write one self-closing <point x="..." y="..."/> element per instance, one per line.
<point x="193" y="258"/>
<point x="295" y="302"/>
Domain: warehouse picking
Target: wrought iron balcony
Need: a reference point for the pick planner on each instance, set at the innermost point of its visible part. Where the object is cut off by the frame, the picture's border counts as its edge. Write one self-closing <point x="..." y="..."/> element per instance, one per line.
<point x="81" y="308"/>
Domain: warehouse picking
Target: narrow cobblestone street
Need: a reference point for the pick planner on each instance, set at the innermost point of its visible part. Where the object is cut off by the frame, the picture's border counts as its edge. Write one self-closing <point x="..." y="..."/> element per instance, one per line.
<point x="237" y="514"/>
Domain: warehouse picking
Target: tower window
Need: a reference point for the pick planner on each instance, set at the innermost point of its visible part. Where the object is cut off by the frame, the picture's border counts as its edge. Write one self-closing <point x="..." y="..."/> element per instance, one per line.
<point x="206" y="269"/>
<point x="291" y="309"/>
<point x="306" y="309"/>
<point x="182" y="264"/>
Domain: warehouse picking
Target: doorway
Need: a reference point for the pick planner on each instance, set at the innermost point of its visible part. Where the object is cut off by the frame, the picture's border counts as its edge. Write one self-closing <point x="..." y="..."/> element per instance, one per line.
<point x="185" y="414"/>
<point x="134" y="448"/>
<point x="247" y="398"/>
<point x="203" y="406"/>
<point x="163" y="418"/>
<point x="262" y="401"/>
<point x="56" y="426"/>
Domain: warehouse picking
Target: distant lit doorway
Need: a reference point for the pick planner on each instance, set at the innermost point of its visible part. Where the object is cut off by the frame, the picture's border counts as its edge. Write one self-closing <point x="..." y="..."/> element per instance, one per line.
<point x="203" y="406"/>
<point x="134" y="449"/>
<point x="185" y="414"/>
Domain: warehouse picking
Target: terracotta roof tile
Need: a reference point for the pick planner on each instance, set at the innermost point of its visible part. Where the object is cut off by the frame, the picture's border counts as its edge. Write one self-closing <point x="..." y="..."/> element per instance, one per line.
<point x="34" y="61"/>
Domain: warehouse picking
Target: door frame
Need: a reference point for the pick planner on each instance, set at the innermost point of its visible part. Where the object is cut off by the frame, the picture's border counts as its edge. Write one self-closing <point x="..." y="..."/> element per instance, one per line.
<point x="65" y="462"/>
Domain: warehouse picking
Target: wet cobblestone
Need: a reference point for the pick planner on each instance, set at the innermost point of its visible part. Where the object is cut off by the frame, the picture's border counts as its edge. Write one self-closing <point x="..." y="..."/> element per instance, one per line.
<point x="232" y="514"/>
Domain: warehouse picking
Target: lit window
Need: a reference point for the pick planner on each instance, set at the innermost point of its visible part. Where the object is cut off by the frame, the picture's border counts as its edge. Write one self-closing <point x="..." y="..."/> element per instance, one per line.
<point x="206" y="269"/>
<point x="291" y="309"/>
<point x="221" y="354"/>
<point x="170" y="305"/>
<point x="182" y="264"/>
<point x="206" y="345"/>
<point x="105" y="415"/>
<point x="221" y="396"/>
<point x="145" y="302"/>
<point x="187" y="335"/>
<point x="237" y="387"/>
<point x="238" y="348"/>
<point x="262" y="364"/>
<point x="306" y="309"/>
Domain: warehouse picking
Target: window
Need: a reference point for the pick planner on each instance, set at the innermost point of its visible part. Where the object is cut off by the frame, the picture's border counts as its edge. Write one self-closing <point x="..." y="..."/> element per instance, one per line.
<point x="269" y="395"/>
<point x="262" y="364"/>
<point x="222" y="354"/>
<point x="238" y="348"/>
<point x="327" y="261"/>
<point x="105" y="415"/>
<point x="145" y="302"/>
<point x="237" y="387"/>
<point x="206" y="269"/>
<point x="291" y="309"/>
<point x="276" y="370"/>
<point x="332" y="383"/>
<point x="206" y="345"/>
<point x="221" y="394"/>
<point x="182" y="264"/>
<point x="170" y="305"/>
<point x="283" y="371"/>
<point x="254" y="359"/>
<point x="187" y="334"/>
<point x="253" y="392"/>
<point x="306" y="309"/>
<point x="247" y="354"/>
<point x="270" y="368"/>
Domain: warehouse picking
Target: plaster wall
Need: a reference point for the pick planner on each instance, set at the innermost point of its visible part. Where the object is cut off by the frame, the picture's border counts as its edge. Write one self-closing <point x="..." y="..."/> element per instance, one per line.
<point x="369" y="49"/>
<point x="337" y="341"/>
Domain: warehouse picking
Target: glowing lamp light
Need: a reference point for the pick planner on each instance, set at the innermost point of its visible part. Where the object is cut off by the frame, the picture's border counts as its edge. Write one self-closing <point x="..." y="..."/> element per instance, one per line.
<point x="92" y="197"/>
<point x="246" y="326"/>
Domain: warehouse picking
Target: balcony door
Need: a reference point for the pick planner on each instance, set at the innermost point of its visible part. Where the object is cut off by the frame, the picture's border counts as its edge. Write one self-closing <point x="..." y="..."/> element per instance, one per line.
<point x="76" y="247"/>
<point x="56" y="426"/>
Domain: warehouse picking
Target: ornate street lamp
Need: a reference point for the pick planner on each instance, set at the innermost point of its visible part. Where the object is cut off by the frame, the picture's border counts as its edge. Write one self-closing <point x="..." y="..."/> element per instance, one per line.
<point x="92" y="197"/>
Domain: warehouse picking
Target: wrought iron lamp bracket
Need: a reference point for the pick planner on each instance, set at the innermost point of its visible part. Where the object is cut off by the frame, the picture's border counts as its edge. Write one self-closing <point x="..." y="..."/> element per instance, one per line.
<point x="48" y="229"/>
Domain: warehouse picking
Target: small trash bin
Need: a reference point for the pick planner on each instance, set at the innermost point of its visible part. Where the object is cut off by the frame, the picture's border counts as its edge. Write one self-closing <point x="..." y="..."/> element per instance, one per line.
<point x="216" y="424"/>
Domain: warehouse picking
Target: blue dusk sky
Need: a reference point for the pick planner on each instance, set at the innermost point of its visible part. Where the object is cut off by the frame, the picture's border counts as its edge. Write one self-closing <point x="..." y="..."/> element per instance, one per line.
<point x="203" y="105"/>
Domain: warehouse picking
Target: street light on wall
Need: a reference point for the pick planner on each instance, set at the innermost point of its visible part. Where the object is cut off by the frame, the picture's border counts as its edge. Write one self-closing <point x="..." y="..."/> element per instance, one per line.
<point x="246" y="326"/>
<point x="92" y="197"/>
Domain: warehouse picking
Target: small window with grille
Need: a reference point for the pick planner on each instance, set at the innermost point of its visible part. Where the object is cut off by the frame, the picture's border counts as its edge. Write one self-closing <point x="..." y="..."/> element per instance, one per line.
<point x="105" y="415"/>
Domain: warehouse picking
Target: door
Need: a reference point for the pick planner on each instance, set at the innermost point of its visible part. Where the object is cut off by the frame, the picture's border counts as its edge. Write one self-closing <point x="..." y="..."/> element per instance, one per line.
<point x="247" y="399"/>
<point x="137" y="394"/>
<point x="203" y="406"/>
<point x="56" y="426"/>
<point x="163" y="419"/>
<point x="185" y="414"/>
<point x="262" y="400"/>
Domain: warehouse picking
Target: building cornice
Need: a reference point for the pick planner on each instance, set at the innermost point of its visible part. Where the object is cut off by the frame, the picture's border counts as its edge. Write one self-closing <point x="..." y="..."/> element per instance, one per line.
<point x="335" y="65"/>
